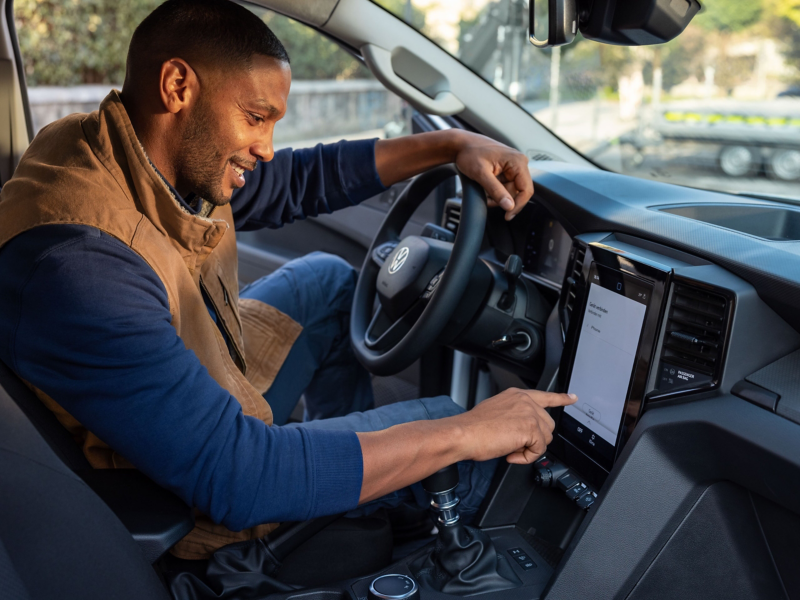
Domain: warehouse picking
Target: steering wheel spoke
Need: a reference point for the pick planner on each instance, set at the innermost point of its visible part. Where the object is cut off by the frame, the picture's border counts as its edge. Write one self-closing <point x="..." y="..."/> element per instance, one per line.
<point x="384" y="333"/>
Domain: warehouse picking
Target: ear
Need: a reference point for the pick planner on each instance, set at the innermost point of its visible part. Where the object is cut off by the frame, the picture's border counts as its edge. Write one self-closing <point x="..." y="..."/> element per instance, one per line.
<point x="178" y="85"/>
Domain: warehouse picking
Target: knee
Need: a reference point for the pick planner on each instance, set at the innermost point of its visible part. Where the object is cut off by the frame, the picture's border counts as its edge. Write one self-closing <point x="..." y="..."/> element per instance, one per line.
<point x="336" y="279"/>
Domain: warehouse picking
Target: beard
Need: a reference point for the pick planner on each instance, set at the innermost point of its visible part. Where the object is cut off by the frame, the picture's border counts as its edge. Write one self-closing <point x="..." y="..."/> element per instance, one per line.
<point x="202" y="167"/>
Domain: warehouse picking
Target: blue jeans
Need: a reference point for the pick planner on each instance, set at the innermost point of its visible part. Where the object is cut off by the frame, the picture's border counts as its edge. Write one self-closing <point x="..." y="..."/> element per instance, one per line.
<point x="317" y="292"/>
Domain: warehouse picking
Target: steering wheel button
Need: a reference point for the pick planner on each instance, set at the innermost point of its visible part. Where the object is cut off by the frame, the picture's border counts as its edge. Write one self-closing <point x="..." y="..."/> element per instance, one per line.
<point x="515" y="551"/>
<point x="528" y="565"/>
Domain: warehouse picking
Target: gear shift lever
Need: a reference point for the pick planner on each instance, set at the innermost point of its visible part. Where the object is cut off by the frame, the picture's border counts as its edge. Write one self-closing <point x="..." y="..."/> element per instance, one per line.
<point x="464" y="561"/>
<point x="441" y="487"/>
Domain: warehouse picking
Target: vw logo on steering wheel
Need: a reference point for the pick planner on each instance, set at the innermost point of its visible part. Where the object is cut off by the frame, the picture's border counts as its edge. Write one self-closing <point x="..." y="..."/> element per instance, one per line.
<point x="399" y="260"/>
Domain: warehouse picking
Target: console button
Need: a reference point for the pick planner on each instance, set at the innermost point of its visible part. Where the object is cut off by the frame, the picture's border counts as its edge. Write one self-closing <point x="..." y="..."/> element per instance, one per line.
<point x="587" y="500"/>
<point x="567" y="481"/>
<point x="522" y="558"/>
<point x="576" y="491"/>
<point x="543" y="462"/>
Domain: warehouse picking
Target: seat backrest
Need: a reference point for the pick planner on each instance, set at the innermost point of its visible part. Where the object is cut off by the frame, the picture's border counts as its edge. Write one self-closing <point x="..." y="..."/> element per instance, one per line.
<point x="59" y="539"/>
<point x="45" y="422"/>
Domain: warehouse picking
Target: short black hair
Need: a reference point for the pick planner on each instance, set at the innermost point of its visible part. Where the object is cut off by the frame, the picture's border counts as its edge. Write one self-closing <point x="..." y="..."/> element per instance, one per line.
<point x="218" y="33"/>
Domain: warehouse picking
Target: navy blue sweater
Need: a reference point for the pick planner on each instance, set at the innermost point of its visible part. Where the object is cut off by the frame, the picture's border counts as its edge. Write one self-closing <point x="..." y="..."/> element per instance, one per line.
<point x="87" y="321"/>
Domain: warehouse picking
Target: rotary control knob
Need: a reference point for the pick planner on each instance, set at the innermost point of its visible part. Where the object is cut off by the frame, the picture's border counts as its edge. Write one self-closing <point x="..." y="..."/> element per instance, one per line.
<point x="543" y="477"/>
<point x="393" y="587"/>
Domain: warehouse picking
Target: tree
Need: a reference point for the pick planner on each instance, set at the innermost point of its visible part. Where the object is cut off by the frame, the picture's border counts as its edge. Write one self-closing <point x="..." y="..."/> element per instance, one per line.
<point x="729" y="16"/>
<point x="68" y="42"/>
<point x="783" y="23"/>
<point x="784" y="9"/>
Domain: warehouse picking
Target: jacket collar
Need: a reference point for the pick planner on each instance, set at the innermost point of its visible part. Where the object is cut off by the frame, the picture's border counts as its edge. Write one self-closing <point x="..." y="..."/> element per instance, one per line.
<point x="110" y="134"/>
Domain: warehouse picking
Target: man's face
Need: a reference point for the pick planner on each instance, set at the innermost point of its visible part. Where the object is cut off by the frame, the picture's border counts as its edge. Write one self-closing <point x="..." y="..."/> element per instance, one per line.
<point x="230" y="128"/>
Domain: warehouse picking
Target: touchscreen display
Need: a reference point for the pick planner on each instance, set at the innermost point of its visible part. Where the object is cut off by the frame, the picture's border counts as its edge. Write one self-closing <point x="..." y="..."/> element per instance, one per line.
<point x="605" y="357"/>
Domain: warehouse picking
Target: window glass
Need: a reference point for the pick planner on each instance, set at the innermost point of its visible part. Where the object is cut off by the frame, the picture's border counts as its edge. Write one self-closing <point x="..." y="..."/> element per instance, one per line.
<point x="74" y="52"/>
<point x="718" y="107"/>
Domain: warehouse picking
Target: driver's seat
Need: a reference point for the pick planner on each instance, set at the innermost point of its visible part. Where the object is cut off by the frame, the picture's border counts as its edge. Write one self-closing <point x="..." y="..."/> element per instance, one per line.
<point x="58" y="539"/>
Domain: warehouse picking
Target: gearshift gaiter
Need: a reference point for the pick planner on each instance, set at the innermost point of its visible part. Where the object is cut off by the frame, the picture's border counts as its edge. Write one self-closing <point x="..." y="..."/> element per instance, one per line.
<point x="463" y="561"/>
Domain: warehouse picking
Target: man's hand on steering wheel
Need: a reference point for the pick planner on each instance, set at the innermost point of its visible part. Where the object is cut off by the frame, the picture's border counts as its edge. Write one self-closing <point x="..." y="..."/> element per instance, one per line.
<point x="500" y="170"/>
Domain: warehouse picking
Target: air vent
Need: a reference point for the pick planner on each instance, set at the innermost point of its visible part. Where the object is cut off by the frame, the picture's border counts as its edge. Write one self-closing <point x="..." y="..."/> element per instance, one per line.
<point x="538" y="155"/>
<point x="574" y="274"/>
<point x="452" y="214"/>
<point x="694" y="339"/>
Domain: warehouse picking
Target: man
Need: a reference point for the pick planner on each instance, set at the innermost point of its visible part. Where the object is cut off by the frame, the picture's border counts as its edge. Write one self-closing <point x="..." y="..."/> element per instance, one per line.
<point x="120" y="293"/>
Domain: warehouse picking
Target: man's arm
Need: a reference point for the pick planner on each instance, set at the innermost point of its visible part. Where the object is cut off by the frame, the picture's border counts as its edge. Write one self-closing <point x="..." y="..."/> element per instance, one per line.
<point x="304" y="183"/>
<point x="87" y="321"/>
<point x="513" y="424"/>
<point x="500" y="170"/>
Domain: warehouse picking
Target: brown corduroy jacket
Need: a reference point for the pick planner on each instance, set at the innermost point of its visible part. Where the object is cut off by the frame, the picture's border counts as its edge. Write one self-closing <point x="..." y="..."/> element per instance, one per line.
<point x="90" y="169"/>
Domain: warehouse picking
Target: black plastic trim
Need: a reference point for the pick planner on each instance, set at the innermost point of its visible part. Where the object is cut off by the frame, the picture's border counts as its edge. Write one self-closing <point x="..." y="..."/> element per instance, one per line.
<point x="23" y="85"/>
<point x="156" y="518"/>
<point x="676" y="453"/>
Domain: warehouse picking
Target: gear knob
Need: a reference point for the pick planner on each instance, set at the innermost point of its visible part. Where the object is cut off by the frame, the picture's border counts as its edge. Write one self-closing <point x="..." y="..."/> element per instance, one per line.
<point x="441" y="487"/>
<point x="442" y="481"/>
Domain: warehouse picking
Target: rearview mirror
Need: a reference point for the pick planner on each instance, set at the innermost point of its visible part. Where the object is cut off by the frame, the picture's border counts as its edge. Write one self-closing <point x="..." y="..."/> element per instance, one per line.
<point x="553" y="22"/>
<point x="618" y="22"/>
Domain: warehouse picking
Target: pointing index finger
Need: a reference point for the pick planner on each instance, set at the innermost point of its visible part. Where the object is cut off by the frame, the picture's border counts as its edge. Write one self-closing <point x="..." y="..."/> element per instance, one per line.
<point x="550" y="399"/>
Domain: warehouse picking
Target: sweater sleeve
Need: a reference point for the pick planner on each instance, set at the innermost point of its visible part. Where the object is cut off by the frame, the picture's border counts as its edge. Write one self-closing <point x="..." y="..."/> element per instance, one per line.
<point x="297" y="184"/>
<point x="87" y="321"/>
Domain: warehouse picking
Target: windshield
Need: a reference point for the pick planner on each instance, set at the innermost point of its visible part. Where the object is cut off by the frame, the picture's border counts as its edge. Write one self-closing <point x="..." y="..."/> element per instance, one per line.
<point x="717" y="108"/>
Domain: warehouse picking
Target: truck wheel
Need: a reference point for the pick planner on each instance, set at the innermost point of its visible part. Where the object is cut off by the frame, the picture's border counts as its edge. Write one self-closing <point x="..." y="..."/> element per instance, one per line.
<point x="785" y="165"/>
<point x="737" y="161"/>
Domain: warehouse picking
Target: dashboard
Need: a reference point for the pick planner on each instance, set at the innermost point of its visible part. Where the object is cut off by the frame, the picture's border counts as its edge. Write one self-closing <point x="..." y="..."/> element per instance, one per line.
<point x="653" y="308"/>
<point x="671" y="313"/>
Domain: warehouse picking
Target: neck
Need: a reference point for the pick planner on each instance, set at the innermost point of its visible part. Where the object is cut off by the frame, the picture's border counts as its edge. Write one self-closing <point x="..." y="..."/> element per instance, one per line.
<point x="155" y="132"/>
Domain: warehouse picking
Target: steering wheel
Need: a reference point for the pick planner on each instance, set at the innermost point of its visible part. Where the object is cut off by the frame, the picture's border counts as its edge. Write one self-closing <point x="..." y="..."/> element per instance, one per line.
<point x="418" y="281"/>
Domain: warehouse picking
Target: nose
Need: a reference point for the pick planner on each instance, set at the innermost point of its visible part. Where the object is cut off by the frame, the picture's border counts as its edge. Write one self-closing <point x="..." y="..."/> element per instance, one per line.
<point x="263" y="148"/>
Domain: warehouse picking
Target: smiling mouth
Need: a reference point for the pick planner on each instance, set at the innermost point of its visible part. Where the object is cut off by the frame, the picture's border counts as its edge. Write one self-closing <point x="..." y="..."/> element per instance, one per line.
<point x="238" y="168"/>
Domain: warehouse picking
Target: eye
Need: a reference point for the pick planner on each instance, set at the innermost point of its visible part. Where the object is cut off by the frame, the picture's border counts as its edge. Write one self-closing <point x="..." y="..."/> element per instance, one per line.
<point x="257" y="118"/>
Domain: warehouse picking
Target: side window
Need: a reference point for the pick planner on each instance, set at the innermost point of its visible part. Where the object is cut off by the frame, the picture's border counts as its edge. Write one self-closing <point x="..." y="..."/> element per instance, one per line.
<point x="74" y="52"/>
<point x="333" y="96"/>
